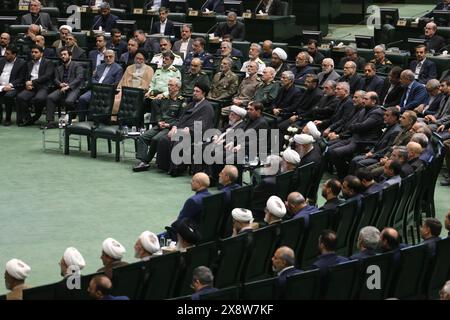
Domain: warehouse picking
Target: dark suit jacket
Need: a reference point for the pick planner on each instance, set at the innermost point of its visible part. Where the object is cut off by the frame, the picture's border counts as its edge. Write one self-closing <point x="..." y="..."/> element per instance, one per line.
<point x="169" y="31"/>
<point x="431" y="244"/>
<point x="44" y="20"/>
<point x="363" y="254"/>
<point x="332" y="204"/>
<point x="333" y="75"/>
<point x="75" y="78"/>
<point x="215" y="5"/>
<point x="49" y="53"/>
<point x="305" y="212"/>
<point x="93" y="57"/>
<point x="300" y="73"/>
<point x="356" y="82"/>
<point x="113" y="77"/>
<point x="394" y="97"/>
<point x="18" y="73"/>
<point x="417" y="95"/>
<point x="369" y="130"/>
<point x="435" y="43"/>
<point x="274" y="9"/>
<point x="314" y="156"/>
<point x="120" y="49"/>
<point x="203" y="112"/>
<point x="287" y="99"/>
<point x="205" y="290"/>
<point x="193" y="206"/>
<point x="282" y="278"/>
<point x="327" y="260"/>
<point x="77" y="53"/>
<point x="237" y="31"/>
<point x="374" y="84"/>
<point x="107" y="23"/>
<point x="309" y="99"/>
<point x="434" y="105"/>
<point x="386" y="141"/>
<point x="127" y="59"/>
<point x="325" y="108"/>
<point x="341" y="116"/>
<point x="427" y="72"/>
<point x="45" y="74"/>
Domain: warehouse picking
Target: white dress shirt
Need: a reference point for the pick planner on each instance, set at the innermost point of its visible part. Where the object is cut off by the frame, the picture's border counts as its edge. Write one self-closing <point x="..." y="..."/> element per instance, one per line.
<point x="35" y="70"/>
<point x="105" y="73"/>
<point x="162" y="28"/>
<point x="6" y="74"/>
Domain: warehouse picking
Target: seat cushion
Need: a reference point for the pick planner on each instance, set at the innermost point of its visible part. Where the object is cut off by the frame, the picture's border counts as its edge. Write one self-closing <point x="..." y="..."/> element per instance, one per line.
<point x="83" y="128"/>
<point x="107" y="132"/>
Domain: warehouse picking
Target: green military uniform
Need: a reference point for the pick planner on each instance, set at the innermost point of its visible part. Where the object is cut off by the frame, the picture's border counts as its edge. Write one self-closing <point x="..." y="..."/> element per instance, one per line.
<point x="167" y="110"/>
<point x="224" y="86"/>
<point x="236" y="65"/>
<point x="266" y="93"/>
<point x="189" y="80"/>
<point x="384" y="67"/>
<point x="247" y="89"/>
<point x="161" y="79"/>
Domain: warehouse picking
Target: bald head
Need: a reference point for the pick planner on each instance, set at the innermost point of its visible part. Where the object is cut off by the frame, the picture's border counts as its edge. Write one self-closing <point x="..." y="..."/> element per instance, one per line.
<point x="295" y="202"/>
<point x="390" y="239"/>
<point x="414" y="150"/>
<point x="99" y="286"/>
<point x="200" y="181"/>
<point x="284" y="257"/>
<point x="228" y="175"/>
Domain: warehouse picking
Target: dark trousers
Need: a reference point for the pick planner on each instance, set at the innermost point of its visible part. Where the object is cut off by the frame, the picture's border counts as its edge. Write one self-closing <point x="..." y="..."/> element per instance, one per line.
<point x="360" y="162"/>
<point x="340" y="153"/>
<point x="7" y="98"/>
<point x="26" y="98"/>
<point x="57" y="97"/>
<point x="83" y="105"/>
<point x="147" y="143"/>
<point x="447" y="154"/>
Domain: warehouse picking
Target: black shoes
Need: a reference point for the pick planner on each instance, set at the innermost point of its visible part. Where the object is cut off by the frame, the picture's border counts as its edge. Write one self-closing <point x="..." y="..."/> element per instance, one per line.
<point x="142" y="166"/>
<point x="50" y="125"/>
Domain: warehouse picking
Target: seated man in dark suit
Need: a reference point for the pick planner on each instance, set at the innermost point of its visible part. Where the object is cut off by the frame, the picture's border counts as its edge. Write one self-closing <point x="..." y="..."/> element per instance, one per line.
<point x="330" y="191"/>
<point x="72" y="46"/>
<point x="435" y="98"/>
<point x="414" y="152"/>
<point x="368" y="241"/>
<point x="127" y="58"/>
<point x="392" y="90"/>
<point x="184" y="45"/>
<point x="108" y="72"/>
<point x="12" y="79"/>
<point x="390" y="240"/>
<point x="302" y="67"/>
<point x="97" y="56"/>
<point x="328" y="256"/>
<point x="342" y="114"/>
<point x="116" y="43"/>
<point x="368" y="181"/>
<point x="327" y="104"/>
<point x="100" y="288"/>
<point x="48" y="52"/>
<point x="214" y="5"/>
<point x="433" y="42"/>
<point x="228" y="178"/>
<point x="39" y="77"/>
<point x="430" y="232"/>
<point x="283" y="264"/>
<point x="423" y="68"/>
<point x="287" y="97"/>
<point x="37" y="17"/>
<point x="354" y="80"/>
<point x="271" y="8"/>
<point x="232" y="26"/>
<point x="202" y="282"/>
<point x="106" y="21"/>
<point x="298" y="207"/>
<point x="164" y="25"/>
<point x="313" y="50"/>
<point x="352" y="189"/>
<point x="351" y="54"/>
<point x="372" y="82"/>
<point x="415" y="94"/>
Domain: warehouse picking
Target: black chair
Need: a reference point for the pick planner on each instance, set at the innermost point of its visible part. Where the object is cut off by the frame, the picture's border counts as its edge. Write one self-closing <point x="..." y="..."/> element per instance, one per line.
<point x="160" y="279"/>
<point x="441" y="271"/>
<point x="231" y="293"/>
<point x="45" y="292"/>
<point x="340" y="281"/>
<point x="310" y="249"/>
<point x="413" y="212"/>
<point x="303" y="286"/>
<point x="407" y="280"/>
<point x="304" y="178"/>
<point x="130" y="114"/>
<point x="213" y="213"/>
<point x="398" y="217"/>
<point x="369" y="210"/>
<point x="283" y="184"/>
<point x="379" y="291"/>
<point x="201" y="255"/>
<point x="346" y="218"/>
<point x="292" y="233"/>
<point x="63" y="292"/>
<point x="260" y="290"/>
<point x="231" y="260"/>
<point x="100" y="107"/>
<point x="389" y="197"/>
<point x="240" y="198"/>
<point x="129" y="280"/>
<point x="262" y="246"/>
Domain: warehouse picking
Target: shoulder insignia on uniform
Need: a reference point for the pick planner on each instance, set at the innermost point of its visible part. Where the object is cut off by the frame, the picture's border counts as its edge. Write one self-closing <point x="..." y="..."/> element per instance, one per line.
<point x="172" y="68"/>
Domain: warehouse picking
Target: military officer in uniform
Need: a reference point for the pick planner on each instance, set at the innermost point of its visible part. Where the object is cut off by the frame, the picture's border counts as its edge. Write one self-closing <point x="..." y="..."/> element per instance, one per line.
<point x="268" y="88"/>
<point x="253" y="54"/>
<point x="382" y="64"/>
<point x="226" y="52"/>
<point x="165" y="45"/>
<point x="165" y="112"/>
<point x="161" y="78"/>
<point x="194" y="75"/>
<point x="225" y="82"/>
<point x="198" y="51"/>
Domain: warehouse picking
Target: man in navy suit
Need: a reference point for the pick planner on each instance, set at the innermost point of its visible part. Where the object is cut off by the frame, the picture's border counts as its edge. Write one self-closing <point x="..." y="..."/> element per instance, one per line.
<point x="430" y="231"/>
<point x="372" y="82"/>
<point x="97" y="56"/>
<point x="12" y="79"/>
<point x="163" y="26"/>
<point x="109" y="72"/>
<point x="202" y="282"/>
<point x="227" y="179"/>
<point x="423" y="68"/>
<point x="368" y="241"/>
<point x="39" y="77"/>
<point x="298" y="207"/>
<point x="100" y="288"/>
<point x="328" y="256"/>
<point x="116" y="43"/>
<point x="106" y="20"/>
<point x="415" y="93"/>
<point x="283" y="264"/>
<point x="435" y="98"/>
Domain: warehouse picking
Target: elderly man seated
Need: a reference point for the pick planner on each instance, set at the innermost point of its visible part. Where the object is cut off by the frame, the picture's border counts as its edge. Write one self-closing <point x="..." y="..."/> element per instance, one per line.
<point x="275" y="210"/>
<point x="16" y="273"/>
<point x="146" y="246"/>
<point x="112" y="254"/>
<point x="72" y="262"/>
<point x="242" y="221"/>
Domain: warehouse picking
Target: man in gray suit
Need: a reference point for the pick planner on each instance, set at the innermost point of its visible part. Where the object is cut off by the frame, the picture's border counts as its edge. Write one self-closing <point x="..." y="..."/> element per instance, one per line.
<point x="109" y="72"/>
<point x="184" y="45"/>
<point x="69" y="78"/>
<point x="328" y="72"/>
<point x="37" y="17"/>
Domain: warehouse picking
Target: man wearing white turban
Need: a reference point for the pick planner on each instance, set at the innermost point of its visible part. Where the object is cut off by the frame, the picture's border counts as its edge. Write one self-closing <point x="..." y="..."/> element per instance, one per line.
<point x="71" y="262"/>
<point x="278" y="61"/>
<point x="304" y="145"/>
<point x="291" y="159"/>
<point x="112" y="253"/>
<point x="275" y="210"/>
<point x="15" y="274"/>
<point x="311" y="129"/>
<point x="242" y="220"/>
<point x="146" y="246"/>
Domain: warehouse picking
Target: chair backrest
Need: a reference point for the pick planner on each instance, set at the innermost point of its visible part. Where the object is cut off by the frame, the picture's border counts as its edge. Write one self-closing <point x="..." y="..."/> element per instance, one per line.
<point x="87" y="75"/>
<point x="310" y="249"/>
<point x="260" y="290"/>
<point x="231" y="260"/>
<point x="284" y="8"/>
<point x="304" y="178"/>
<point x="63" y="292"/>
<point x="406" y="189"/>
<point x="52" y="11"/>
<point x="381" y="264"/>
<point x="283" y="184"/>
<point x="131" y="110"/>
<point x="340" y="280"/>
<point x="345" y="219"/>
<point x="292" y="233"/>
<point x="129" y="280"/>
<point x="45" y="292"/>
<point x="231" y="293"/>
<point x="407" y="281"/>
<point x="201" y="255"/>
<point x="240" y="198"/>
<point x="161" y="276"/>
<point x="213" y="213"/>
<point x="441" y="270"/>
<point x="258" y="260"/>
<point x="369" y="209"/>
<point x="388" y="202"/>
<point x="303" y="286"/>
<point x="102" y="99"/>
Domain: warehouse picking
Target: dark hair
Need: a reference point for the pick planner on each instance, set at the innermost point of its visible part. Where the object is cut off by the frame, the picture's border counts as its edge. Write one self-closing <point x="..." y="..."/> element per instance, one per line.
<point x="201" y="41"/>
<point x="334" y="185"/>
<point x="202" y="86"/>
<point x="13" y="49"/>
<point x="353" y="183"/>
<point x="435" y="226"/>
<point x="168" y="54"/>
<point x="396" y="167"/>
<point x="313" y="77"/>
<point x="65" y="49"/>
<point x="422" y="46"/>
<point x="328" y="239"/>
<point x="371" y="65"/>
<point x="393" y="242"/>
<point x="115" y="30"/>
<point x="100" y="36"/>
<point x="446" y="81"/>
<point x="365" y="174"/>
<point x="228" y="36"/>
<point x="99" y="282"/>
<point x="163" y="9"/>
<point x="314" y="42"/>
<point x="37" y="48"/>
<point x="394" y="111"/>
<point x="396" y="71"/>
<point x="258" y="106"/>
<point x="141" y="52"/>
